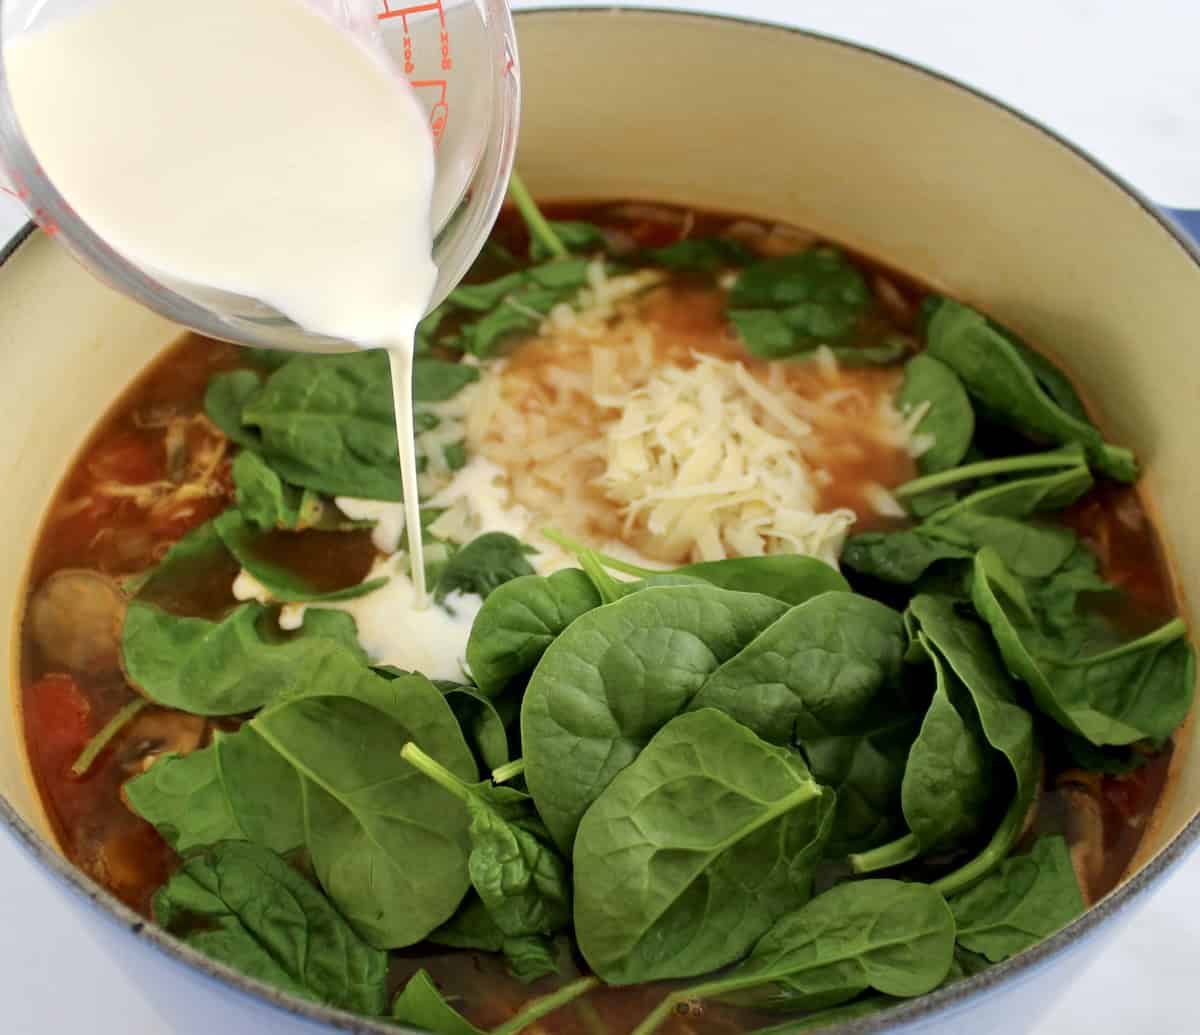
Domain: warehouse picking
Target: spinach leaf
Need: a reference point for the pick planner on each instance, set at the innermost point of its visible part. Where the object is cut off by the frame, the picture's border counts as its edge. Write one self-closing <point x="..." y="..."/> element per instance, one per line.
<point x="244" y="542"/>
<point x="321" y="769"/>
<point x="327" y="422"/>
<point x="515" y="304"/>
<point x="1134" y="691"/>
<point x="226" y="667"/>
<point x="796" y="302"/>
<point x="576" y="236"/>
<point x="481" y="725"/>
<point x="979" y="473"/>
<point x="816" y="670"/>
<point x="701" y="255"/>
<point x="483" y="565"/>
<point x="616" y="675"/>
<point x="948" y="777"/>
<point x="997" y="374"/>
<point x="790" y="577"/>
<point x="886" y="935"/>
<point x="666" y="889"/>
<point x="266" y="501"/>
<point x="970" y="653"/>
<point x="224" y="400"/>
<point x="179" y="785"/>
<point x="519" y="878"/>
<point x="1111" y="761"/>
<point x="421" y="1004"/>
<point x="835" y="1015"/>
<point x="519" y="620"/>
<point x="1019" y="498"/>
<point x="529" y="956"/>
<point x="865" y="768"/>
<point x="901" y="557"/>
<point x="197" y="557"/>
<point x="244" y="906"/>
<point x="949" y="419"/>
<point x="1028" y="898"/>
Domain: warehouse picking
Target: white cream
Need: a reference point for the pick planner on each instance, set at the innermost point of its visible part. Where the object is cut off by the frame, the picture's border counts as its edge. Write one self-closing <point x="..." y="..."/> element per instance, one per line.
<point x="394" y="631"/>
<point x="388" y="518"/>
<point x="252" y="146"/>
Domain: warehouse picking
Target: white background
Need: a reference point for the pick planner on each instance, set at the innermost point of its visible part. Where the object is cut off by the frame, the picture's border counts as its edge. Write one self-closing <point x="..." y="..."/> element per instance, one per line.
<point x="1122" y="78"/>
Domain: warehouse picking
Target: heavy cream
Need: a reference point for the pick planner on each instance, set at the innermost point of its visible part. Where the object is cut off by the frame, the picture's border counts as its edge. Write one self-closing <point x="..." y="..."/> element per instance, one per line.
<point x="252" y="146"/>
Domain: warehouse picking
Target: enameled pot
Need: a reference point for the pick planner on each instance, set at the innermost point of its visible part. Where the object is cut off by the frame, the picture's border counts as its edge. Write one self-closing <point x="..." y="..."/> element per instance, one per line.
<point x="894" y="161"/>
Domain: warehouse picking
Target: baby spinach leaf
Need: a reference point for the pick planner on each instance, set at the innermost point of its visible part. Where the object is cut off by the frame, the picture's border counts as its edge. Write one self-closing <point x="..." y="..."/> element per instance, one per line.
<point x="997" y="374"/>
<point x="901" y="557"/>
<point x="327" y="422"/>
<point x="614" y="677"/>
<point x="949" y="419"/>
<point x="422" y="1005"/>
<point x="1027" y="898"/>
<point x="979" y="473"/>
<point x="197" y="557"/>
<point x="1020" y="497"/>
<point x="472" y="927"/>
<point x="665" y="889"/>
<point x="1137" y="690"/>
<point x="886" y="935"/>
<point x="224" y="400"/>
<point x="948" y="777"/>
<point x="266" y="501"/>
<point x="226" y="667"/>
<point x="516" y="303"/>
<point x="865" y="768"/>
<point x="483" y="565"/>
<point x="519" y="878"/>
<point x="816" y="670"/>
<point x="1111" y="761"/>
<point x="177" y="785"/>
<point x="481" y="725"/>
<point x="519" y="620"/>
<point x="243" y="541"/>
<point x="701" y="255"/>
<point x="790" y="577"/>
<point x="970" y="653"/>
<point x="576" y="236"/>
<point x="244" y="906"/>
<point x="531" y="956"/>
<point x="321" y="769"/>
<point x="796" y="302"/>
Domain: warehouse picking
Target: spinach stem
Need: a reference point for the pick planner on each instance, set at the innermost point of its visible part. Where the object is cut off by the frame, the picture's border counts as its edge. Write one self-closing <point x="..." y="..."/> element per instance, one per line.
<point x="895" y="853"/>
<point x="656" y="1017"/>
<point x="986" y="468"/>
<point x="546" y="1004"/>
<point x="95" y="747"/>
<point x="577" y="548"/>
<point x="508" y="771"/>
<point x="539" y="228"/>
<point x="996" y="850"/>
<point x="437" y="772"/>
<point x="591" y="1018"/>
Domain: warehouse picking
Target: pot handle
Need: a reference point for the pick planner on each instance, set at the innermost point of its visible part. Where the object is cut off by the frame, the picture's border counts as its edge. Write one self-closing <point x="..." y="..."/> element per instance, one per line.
<point x="1187" y="219"/>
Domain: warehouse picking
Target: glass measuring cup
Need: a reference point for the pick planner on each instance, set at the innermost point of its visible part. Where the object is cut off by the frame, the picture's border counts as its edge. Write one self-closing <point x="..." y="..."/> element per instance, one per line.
<point x="459" y="56"/>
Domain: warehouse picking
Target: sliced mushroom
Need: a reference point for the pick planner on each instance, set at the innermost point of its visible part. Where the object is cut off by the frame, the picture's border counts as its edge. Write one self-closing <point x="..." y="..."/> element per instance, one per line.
<point x="75" y="617"/>
<point x="1085" y="836"/>
<point x="160" y="732"/>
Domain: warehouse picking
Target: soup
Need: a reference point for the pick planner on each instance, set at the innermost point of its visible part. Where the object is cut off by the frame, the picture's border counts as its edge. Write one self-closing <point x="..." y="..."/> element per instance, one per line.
<point x="777" y="601"/>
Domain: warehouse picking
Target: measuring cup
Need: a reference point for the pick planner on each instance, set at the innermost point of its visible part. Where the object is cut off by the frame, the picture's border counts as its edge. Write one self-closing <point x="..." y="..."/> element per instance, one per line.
<point x="460" y="57"/>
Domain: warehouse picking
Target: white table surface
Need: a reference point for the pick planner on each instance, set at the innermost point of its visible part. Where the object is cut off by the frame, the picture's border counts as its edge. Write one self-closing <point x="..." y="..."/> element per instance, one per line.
<point x="1119" y="77"/>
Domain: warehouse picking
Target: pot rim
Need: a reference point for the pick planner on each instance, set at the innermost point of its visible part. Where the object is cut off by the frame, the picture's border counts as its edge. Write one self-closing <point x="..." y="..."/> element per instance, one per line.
<point x="939" y="1003"/>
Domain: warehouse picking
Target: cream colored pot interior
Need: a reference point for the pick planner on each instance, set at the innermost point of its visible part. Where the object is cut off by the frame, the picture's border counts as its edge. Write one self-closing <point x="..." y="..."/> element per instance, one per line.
<point x="720" y="114"/>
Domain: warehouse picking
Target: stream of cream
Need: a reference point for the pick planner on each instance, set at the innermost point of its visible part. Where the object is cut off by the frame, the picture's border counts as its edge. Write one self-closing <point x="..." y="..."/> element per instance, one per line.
<point x="251" y="146"/>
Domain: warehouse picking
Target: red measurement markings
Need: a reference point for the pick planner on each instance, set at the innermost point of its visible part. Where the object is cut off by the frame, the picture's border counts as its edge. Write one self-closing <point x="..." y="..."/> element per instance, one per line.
<point x="404" y="13"/>
<point x="440" y="112"/>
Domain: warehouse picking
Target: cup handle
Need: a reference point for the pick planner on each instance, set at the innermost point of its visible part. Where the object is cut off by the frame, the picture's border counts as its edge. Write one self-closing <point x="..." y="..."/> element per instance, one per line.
<point x="1187" y="219"/>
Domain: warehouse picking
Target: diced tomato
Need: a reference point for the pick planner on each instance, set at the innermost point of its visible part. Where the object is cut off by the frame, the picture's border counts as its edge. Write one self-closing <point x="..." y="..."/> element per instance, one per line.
<point x="58" y="721"/>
